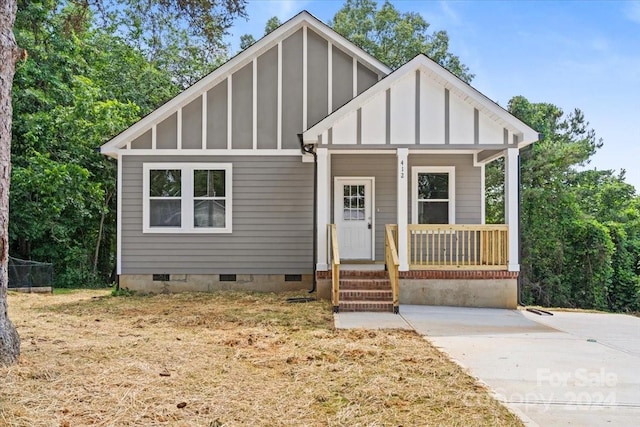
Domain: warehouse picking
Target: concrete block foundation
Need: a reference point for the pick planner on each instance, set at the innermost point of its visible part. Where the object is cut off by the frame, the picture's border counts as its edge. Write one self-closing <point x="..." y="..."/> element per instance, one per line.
<point x="211" y="282"/>
<point x="494" y="293"/>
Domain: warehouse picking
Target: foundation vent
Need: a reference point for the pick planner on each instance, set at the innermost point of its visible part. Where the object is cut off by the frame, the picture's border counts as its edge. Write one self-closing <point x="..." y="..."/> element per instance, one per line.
<point x="293" y="277"/>
<point x="160" y="277"/>
<point x="227" y="277"/>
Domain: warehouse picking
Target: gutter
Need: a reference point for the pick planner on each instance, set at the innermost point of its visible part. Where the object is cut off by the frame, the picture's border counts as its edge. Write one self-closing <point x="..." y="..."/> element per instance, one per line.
<point x="309" y="149"/>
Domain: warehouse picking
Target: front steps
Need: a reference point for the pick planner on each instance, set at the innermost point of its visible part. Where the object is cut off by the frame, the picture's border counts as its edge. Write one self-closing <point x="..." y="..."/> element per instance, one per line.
<point x="365" y="291"/>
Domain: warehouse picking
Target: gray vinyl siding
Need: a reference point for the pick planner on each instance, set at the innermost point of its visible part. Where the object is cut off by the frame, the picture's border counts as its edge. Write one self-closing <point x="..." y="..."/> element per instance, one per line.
<point x="192" y="124"/>
<point x="272" y="222"/>
<point x="291" y="90"/>
<point x="366" y="78"/>
<point x="342" y="78"/>
<point x="229" y="118"/>
<point x="318" y="77"/>
<point x="143" y="141"/>
<point x="217" y="116"/>
<point x="383" y="168"/>
<point x="242" y="108"/>
<point x="167" y="133"/>
<point x="267" y="99"/>
<point x="468" y="183"/>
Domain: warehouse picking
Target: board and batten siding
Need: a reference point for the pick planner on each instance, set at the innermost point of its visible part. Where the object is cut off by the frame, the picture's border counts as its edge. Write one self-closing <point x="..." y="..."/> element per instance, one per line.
<point x="468" y="182"/>
<point x="416" y="110"/>
<point x="267" y="100"/>
<point x="383" y="168"/>
<point x="272" y="222"/>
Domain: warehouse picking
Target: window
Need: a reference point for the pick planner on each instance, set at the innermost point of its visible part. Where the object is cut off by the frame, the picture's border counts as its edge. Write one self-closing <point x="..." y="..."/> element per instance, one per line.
<point x="433" y="195"/>
<point x="187" y="198"/>
<point x="353" y="203"/>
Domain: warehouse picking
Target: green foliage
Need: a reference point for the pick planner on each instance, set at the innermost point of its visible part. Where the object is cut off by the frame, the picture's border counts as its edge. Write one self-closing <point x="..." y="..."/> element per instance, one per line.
<point x="494" y="192"/>
<point x="587" y="268"/>
<point x="394" y="37"/>
<point x="121" y="292"/>
<point x="272" y="24"/>
<point x="247" y="40"/>
<point x="183" y="39"/>
<point x="580" y="240"/>
<point x="623" y="293"/>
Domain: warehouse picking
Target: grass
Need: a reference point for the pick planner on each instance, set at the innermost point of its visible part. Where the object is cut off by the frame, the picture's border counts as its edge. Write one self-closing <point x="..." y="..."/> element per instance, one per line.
<point x="224" y="359"/>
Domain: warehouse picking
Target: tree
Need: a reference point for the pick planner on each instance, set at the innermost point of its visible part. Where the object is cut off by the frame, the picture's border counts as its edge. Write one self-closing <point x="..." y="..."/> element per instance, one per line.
<point x="184" y="38"/>
<point x="393" y="37"/>
<point x="606" y="197"/>
<point x="566" y="253"/>
<point x="9" y="55"/>
<point x="247" y="40"/>
<point x="272" y="24"/>
<point x="67" y="101"/>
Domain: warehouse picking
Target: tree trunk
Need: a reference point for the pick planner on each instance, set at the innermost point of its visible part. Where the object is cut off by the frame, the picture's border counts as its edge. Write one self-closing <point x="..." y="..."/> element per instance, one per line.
<point x="9" y="54"/>
<point x="99" y="240"/>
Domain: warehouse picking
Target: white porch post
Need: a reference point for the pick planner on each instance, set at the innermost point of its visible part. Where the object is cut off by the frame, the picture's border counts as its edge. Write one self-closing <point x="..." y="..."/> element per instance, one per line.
<point x="511" y="208"/>
<point x="403" y="210"/>
<point x="323" y="203"/>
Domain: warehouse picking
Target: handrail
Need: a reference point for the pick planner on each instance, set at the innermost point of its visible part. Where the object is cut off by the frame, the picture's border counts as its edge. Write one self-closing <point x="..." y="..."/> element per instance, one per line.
<point x="392" y="262"/>
<point x="458" y="246"/>
<point x="335" y="266"/>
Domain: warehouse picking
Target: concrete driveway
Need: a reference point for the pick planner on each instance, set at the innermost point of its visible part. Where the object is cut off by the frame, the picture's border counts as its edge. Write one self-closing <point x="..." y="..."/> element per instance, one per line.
<point x="571" y="368"/>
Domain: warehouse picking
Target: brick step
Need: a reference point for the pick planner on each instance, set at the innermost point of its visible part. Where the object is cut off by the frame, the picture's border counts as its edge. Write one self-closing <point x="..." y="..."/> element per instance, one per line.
<point x="367" y="284"/>
<point x="356" y="274"/>
<point x="365" y="295"/>
<point x="379" y="306"/>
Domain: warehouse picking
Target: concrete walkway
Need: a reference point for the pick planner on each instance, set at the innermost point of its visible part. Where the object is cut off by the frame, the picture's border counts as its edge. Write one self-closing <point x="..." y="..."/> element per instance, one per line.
<point x="567" y="369"/>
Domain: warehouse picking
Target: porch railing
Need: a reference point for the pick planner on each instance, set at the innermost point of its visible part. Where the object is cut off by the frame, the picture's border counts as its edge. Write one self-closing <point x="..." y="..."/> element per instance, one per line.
<point x="464" y="247"/>
<point x="334" y="259"/>
<point x="392" y="263"/>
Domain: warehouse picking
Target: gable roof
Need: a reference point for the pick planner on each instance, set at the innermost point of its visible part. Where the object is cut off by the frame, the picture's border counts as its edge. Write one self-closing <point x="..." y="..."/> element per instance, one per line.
<point x="526" y="135"/>
<point x="302" y="19"/>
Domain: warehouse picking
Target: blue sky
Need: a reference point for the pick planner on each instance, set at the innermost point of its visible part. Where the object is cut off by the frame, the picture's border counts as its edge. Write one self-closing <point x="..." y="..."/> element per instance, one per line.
<point x="574" y="54"/>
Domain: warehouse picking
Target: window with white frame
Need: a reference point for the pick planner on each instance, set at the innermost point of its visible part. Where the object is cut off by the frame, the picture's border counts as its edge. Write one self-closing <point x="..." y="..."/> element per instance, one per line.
<point x="433" y="195"/>
<point x="187" y="198"/>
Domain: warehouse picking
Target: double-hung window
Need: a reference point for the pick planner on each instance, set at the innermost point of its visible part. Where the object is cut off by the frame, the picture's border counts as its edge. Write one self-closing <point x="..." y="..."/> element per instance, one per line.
<point x="187" y="198"/>
<point x="433" y="195"/>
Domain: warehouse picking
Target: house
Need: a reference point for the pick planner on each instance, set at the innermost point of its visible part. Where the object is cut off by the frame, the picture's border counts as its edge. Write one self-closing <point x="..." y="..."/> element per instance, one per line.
<point x="304" y="155"/>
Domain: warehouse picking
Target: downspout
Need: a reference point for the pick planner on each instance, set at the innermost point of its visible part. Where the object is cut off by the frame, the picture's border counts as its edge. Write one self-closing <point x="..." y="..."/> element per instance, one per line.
<point x="309" y="149"/>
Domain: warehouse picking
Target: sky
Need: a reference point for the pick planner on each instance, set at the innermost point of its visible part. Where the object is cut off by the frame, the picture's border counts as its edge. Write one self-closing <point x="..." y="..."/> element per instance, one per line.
<point x="574" y="54"/>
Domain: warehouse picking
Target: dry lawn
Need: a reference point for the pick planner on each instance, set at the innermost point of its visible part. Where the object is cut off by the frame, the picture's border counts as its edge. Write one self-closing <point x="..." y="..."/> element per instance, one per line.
<point x="224" y="359"/>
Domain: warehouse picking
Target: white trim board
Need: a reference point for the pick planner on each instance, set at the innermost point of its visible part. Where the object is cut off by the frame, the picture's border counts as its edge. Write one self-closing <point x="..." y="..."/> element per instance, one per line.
<point x="213" y="152"/>
<point x="119" y="221"/>
<point x="187" y="171"/>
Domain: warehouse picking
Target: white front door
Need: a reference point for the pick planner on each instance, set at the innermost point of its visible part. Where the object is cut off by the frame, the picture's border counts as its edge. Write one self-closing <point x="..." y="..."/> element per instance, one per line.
<point x="353" y="216"/>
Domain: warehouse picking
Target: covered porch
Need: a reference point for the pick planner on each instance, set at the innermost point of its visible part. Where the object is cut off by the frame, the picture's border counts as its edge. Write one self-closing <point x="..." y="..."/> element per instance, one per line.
<point x="378" y="219"/>
<point x="435" y="226"/>
<point x="401" y="182"/>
